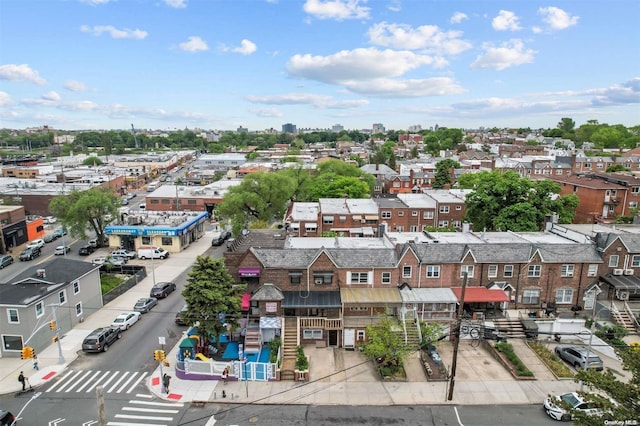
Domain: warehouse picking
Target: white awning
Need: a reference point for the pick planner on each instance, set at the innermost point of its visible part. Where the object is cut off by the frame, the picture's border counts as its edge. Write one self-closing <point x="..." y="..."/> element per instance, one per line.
<point x="270" y="322"/>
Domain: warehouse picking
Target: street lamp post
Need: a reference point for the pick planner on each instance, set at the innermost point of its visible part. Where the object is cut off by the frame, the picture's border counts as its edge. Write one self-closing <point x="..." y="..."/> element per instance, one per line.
<point x="592" y="330"/>
<point x="35" y="395"/>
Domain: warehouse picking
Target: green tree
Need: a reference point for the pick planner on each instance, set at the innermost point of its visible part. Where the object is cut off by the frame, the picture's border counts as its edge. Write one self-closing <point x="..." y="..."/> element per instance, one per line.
<point x="615" y="168"/>
<point x="385" y="346"/>
<point x="92" y="161"/>
<point x="213" y="300"/>
<point x="606" y="388"/>
<point x="81" y="209"/>
<point x="567" y="125"/>
<point x="260" y="196"/>
<point x="443" y="173"/>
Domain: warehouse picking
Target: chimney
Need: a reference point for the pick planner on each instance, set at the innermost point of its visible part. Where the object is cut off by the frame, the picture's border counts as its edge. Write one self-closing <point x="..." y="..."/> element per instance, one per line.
<point x="466" y="227"/>
<point x="41" y="273"/>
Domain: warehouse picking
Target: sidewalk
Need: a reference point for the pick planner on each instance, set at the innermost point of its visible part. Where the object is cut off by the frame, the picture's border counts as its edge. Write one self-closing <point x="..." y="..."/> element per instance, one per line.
<point x="71" y="342"/>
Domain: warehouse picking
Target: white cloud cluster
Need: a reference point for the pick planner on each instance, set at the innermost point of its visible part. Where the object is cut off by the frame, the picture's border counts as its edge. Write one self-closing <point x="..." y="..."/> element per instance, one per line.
<point x="506" y="21"/>
<point x="5" y="99"/>
<point x="336" y="9"/>
<point x="95" y="2"/>
<point x="114" y="32"/>
<point x="195" y="44"/>
<point x="317" y="101"/>
<point x="506" y="55"/>
<point x="176" y="4"/>
<point x="23" y="72"/>
<point x="556" y="18"/>
<point x="51" y="96"/>
<point x="425" y="37"/>
<point x="75" y="86"/>
<point x="246" y="47"/>
<point x="458" y="17"/>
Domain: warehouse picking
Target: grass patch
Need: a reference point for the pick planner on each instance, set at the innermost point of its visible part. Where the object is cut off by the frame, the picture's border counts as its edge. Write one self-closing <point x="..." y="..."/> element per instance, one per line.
<point x="108" y="282"/>
<point x="507" y="349"/>
<point x="555" y="364"/>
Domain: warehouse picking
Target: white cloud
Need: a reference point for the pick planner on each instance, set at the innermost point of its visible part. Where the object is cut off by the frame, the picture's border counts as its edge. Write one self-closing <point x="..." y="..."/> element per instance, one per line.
<point x="536" y="29"/>
<point x="357" y="64"/>
<point x="336" y="9"/>
<point x="246" y="47"/>
<point x="317" y="101"/>
<point x="114" y="32"/>
<point x="409" y="88"/>
<point x="176" y="4"/>
<point x="75" y="86"/>
<point x="508" y="54"/>
<point x="619" y="94"/>
<point x="395" y="6"/>
<point x="458" y="17"/>
<point x="556" y="18"/>
<point x="195" y="44"/>
<point x="95" y="2"/>
<point x="51" y="96"/>
<point x="427" y="37"/>
<point x="5" y="99"/>
<point x="506" y="21"/>
<point x="23" y="72"/>
<point x="266" y="112"/>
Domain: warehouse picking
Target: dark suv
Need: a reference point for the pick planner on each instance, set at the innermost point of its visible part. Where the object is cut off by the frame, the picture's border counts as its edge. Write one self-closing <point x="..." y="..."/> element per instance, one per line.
<point x="100" y="339"/>
<point x="29" y="254"/>
<point x="86" y="250"/>
<point x="162" y="290"/>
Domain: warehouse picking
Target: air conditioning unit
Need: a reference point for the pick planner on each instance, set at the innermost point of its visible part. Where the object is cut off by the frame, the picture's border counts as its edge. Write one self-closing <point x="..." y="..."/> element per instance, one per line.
<point x="622" y="295"/>
<point x="628" y="271"/>
<point x="318" y="281"/>
<point x="617" y="272"/>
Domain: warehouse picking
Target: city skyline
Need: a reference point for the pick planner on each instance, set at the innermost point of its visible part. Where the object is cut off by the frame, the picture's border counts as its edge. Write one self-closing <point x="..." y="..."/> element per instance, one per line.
<point x="259" y="64"/>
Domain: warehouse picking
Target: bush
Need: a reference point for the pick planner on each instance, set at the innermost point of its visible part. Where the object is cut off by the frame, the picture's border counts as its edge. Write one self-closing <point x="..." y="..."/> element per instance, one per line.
<point x="507" y="350"/>
<point x="274" y="347"/>
<point x="551" y="360"/>
<point x="302" y="362"/>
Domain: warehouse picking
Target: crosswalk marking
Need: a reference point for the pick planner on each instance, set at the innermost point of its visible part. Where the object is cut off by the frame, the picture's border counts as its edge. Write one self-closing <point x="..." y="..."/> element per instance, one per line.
<point x="88" y="381"/>
<point x="150" y="410"/>
<point x="135" y="417"/>
<point x="113" y="387"/>
<point x="137" y="382"/>
<point x="124" y="382"/>
<point x="79" y="381"/>
<point x="145" y="411"/>
<point x="124" y="385"/>
<point x="157" y="404"/>
<point x="134" y="424"/>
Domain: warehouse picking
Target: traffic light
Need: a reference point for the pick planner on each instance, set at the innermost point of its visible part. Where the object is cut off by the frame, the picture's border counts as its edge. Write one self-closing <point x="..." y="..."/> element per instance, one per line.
<point x="27" y="352"/>
<point x="158" y="355"/>
<point x="54" y="339"/>
<point x="52" y="325"/>
<point x="161" y="355"/>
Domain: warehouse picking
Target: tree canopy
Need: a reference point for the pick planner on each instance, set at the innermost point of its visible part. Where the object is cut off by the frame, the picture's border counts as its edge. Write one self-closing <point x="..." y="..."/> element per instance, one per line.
<point x="507" y="201"/>
<point x="82" y="209"/>
<point x="385" y="346"/>
<point x="212" y="299"/>
<point x="443" y="173"/>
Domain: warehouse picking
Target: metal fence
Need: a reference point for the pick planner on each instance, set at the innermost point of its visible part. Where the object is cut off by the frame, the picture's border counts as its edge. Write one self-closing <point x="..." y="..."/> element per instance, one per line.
<point x="137" y="273"/>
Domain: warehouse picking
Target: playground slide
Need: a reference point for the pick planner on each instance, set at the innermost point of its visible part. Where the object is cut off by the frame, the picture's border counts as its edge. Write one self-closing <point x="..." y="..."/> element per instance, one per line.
<point x="202" y="357"/>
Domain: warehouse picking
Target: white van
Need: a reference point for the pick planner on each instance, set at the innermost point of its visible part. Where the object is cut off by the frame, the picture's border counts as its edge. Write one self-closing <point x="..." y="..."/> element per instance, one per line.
<point x="148" y="252"/>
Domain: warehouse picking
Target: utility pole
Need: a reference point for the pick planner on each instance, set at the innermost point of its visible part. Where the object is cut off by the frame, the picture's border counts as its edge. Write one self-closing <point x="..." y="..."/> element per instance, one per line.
<point x="57" y="331"/>
<point x="456" y="342"/>
<point x="133" y="130"/>
<point x="102" y="413"/>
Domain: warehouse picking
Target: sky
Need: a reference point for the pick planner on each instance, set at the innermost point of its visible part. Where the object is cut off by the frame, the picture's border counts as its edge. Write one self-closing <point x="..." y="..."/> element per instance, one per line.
<point x="222" y="64"/>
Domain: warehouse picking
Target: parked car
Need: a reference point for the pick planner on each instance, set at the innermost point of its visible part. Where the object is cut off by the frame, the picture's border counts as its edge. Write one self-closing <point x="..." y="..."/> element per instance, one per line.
<point x="124" y="253"/>
<point x="86" y="250"/>
<point x="50" y="237"/>
<point x="39" y="243"/>
<point x="6" y="418"/>
<point x="62" y="250"/>
<point x="50" y="220"/>
<point x="5" y="260"/>
<point x="145" y="305"/>
<point x="555" y="406"/>
<point x="95" y="243"/>
<point x="125" y="201"/>
<point x="180" y="319"/>
<point x="102" y="260"/>
<point x="220" y="239"/>
<point x="580" y="357"/>
<point x="126" y="320"/>
<point x="60" y="232"/>
<point x="146" y="252"/>
<point x="131" y="195"/>
<point x="29" y="254"/>
<point x="118" y="259"/>
<point x="162" y="290"/>
<point x="100" y="339"/>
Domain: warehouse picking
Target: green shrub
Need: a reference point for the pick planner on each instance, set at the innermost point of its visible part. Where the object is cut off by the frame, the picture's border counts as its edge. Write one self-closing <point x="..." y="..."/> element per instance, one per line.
<point x="551" y="360"/>
<point x="509" y="353"/>
<point x="302" y="362"/>
<point x="274" y="347"/>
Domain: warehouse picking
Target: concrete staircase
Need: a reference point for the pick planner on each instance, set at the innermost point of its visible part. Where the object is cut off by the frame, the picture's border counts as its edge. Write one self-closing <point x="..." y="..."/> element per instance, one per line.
<point x="289" y="344"/>
<point x="509" y="328"/>
<point x="252" y="340"/>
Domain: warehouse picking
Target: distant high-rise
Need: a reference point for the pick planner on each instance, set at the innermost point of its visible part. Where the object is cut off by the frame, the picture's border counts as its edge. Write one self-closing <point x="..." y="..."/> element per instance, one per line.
<point x="378" y="128"/>
<point x="289" y="128"/>
<point x="242" y="130"/>
<point x="337" y="128"/>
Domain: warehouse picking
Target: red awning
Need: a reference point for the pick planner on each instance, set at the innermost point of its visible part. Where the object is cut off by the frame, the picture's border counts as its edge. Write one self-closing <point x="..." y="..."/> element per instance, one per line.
<point x="480" y="294"/>
<point x="249" y="272"/>
<point x="246" y="301"/>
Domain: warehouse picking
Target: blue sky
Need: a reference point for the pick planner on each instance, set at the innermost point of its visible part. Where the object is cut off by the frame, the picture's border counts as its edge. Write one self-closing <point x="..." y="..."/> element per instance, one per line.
<point x="221" y="64"/>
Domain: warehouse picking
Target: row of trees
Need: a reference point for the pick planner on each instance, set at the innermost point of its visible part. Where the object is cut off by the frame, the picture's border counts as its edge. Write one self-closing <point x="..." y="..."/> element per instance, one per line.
<point x="603" y="135"/>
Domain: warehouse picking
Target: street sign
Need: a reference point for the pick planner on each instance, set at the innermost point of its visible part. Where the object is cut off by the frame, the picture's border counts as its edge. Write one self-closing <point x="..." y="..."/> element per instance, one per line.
<point x="162" y="340"/>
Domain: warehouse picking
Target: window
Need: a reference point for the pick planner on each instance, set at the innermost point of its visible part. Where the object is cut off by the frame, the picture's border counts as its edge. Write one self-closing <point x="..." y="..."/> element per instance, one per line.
<point x="433" y="271"/>
<point x="587" y="165"/>
<point x="564" y="295"/>
<point x="599" y="166"/>
<point x="633" y="205"/>
<point x="531" y="297"/>
<point x="593" y="271"/>
<point x="396" y="184"/>
<point x="312" y="334"/>
<point x="327" y="220"/>
<point x="406" y="272"/>
<point x="360" y="335"/>
<point x="635" y="190"/>
<point x="11" y="343"/>
<point x="76" y="287"/>
<point x="399" y="228"/>
<point x="534" y="270"/>
<point x="559" y="172"/>
<point x="295" y="277"/>
<point x="167" y="241"/>
<point x="493" y="271"/>
<point x="146" y="240"/>
<point x="322" y="277"/>
<point x="39" y="309"/>
<point x="508" y="271"/>
<point x="567" y="270"/>
<point x="12" y="316"/>
<point x="359" y="278"/>
<point x="443" y="224"/>
<point x="468" y="269"/>
<point x="458" y="207"/>
<point x="413" y="228"/>
<point x="414" y="213"/>
<point x="635" y="260"/>
<point x="400" y="213"/>
<point x="386" y="278"/>
<point x="444" y="209"/>
<point x="613" y="261"/>
<point x="342" y="218"/>
<point x="78" y="309"/>
<point x="428" y="215"/>
<point x="62" y="297"/>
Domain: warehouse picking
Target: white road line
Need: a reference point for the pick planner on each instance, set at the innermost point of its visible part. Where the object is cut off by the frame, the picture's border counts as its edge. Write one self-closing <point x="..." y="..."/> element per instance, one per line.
<point x="59" y="382"/>
<point x="97" y="382"/>
<point x="124" y="376"/>
<point x="134" y="417"/>
<point x="150" y="410"/>
<point x="88" y="381"/>
<point x="137" y="382"/>
<point x="124" y="385"/>
<point x="144" y="395"/>
<point x="458" y="416"/>
<point x="157" y="404"/>
<point x="70" y="381"/>
<point x="78" y="382"/>
<point x="133" y="424"/>
<point x="110" y="379"/>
